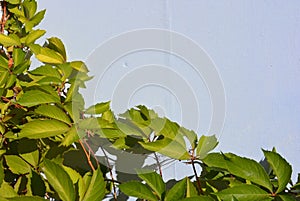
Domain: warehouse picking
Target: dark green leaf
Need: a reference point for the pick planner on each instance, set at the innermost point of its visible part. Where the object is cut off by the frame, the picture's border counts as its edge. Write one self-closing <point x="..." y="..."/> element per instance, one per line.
<point x="43" y="128"/>
<point x="59" y="180"/>
<point x="37" y="185"/>
<point x="241" y="167"/>
<point x="137" y="189"/>
<point x="286" y="198"/>
<point x="153" y="180"/>
<point x="205" y="145"/>
<point x="244" y="192"/>
<point x="281" y="168"/>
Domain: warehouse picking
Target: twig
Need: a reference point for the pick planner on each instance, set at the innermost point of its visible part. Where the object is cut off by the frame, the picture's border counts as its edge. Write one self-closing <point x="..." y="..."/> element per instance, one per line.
<point x="88" y="156"/>
<point x="110" y="172"/>
<point x="90" y="150"/>
<point x="195" y="172"/>
<point x="158" y="164"/>
<point x="4" y="16"/>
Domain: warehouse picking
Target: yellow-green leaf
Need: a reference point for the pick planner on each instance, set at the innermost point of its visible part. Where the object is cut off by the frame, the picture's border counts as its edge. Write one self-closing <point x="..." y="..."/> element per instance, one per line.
<point x="43" y="128"/>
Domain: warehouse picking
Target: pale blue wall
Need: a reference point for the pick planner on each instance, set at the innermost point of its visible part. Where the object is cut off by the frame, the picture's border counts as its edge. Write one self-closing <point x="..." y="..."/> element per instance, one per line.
<point x="255" y="46"/>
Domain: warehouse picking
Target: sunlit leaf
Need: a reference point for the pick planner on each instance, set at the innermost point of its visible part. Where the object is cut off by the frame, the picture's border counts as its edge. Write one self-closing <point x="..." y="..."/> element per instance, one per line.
<point x="177" y="192"/>
<point x="59" y="180"/>
<point x="205" y="145"/>
<point x="37" y="97"/>
<point x="99" y="108"/>
<point x="96" y="187"/>
<point x="137" y="189"/>
<point x="281" y="168"/>
<point x="244" y="192"/>
<point x="53" y="112"/>
<point x="153" y="180"/>
<point x="43" y="128"/>
<point x="32" y="158"/>
<point x="34" y="35"/>
<point x="16" y="164"/>
<point x="9" y="41"/>
<point x="167" y="147"/>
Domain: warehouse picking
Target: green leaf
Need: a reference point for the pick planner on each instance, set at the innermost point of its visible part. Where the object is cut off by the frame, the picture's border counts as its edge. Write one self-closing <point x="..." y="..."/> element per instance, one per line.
<point x="244" y="192"/>
<point x="37" y="97"/>
<point x="46" y="70"/>
<point x="198" y="198"/>
<point x="96" y="187"/>
<point x="99" y="108"/>
<point x="137" y="189"/>
<point x="3" y="62"/>
<point x="30" y="7"/>
<point x="17" y="165"/>
<point x="43" y="128"/>
<point x="70" y="137"/>
<point x="153" y="180"/>
<point x="9" y="41"/>
<point x="241" y="167"/>
<point x="35" y="20"/>
<point x="167" y="147"/>
<point x="18" y="56"/>
<point x="286" y="198"/>
<point x="57" y="45"/>
<point x="205" y="145"/>
<point x="74" y="175"/>
<point x="33" y="36"/>
<point x="46" y="55"/>
<point x="53" y="112"/>
<point x="79" y="66"/>
<point x="177" y="192"/>
<point x="281" y="168"/>
<point x="1" y="173"/>
<point x="37" y="184"/>
<point x="191" y="190"/>
<point x="26" y="198"/>
<point x="191" y="136"/>
<point x="59" y="180"/>
<point x="14" y="1"/>
<point x="7" y="191"/>
<point x="32" y="158"/>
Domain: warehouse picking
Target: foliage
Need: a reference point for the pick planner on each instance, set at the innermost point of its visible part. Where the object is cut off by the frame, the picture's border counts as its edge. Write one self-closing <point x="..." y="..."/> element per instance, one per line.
<point x="48" y="138"/>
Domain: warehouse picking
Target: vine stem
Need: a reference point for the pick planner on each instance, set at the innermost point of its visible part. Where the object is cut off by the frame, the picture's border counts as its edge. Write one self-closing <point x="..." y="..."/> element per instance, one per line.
<point x="88" y="155"/>
<point x="195" y="172"/>
<point x="110" y="172"/>
<point x="158" y="164"/>
<point x="4" y="17"/>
